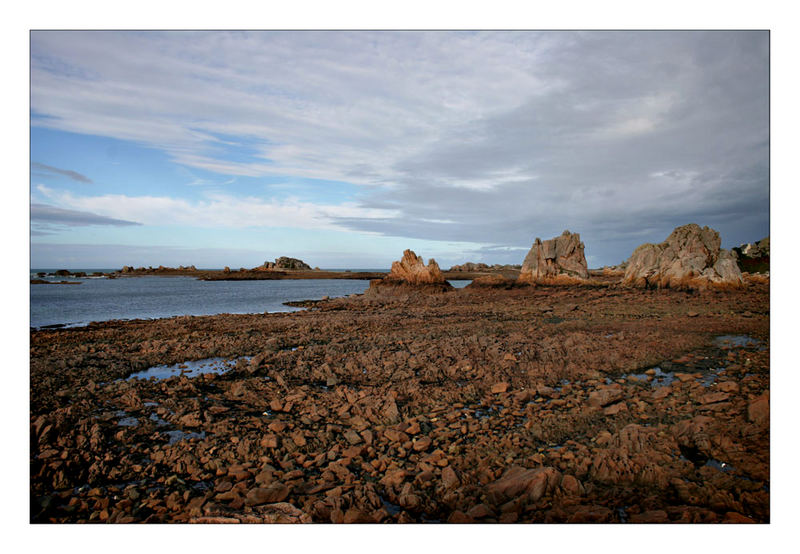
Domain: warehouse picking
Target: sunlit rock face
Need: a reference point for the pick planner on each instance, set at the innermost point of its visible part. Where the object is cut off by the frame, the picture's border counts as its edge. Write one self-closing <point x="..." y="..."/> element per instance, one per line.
<point x="560" y="259"/>
<point x="690" y="258"/>
<point x="410" y="275"/>
<point x="411" y="269"/>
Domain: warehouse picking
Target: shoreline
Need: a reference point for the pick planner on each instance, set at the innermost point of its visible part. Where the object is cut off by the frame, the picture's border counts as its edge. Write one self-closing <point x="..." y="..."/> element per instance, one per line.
<point x="265" y="275"/>
<point x="532" y="404"/>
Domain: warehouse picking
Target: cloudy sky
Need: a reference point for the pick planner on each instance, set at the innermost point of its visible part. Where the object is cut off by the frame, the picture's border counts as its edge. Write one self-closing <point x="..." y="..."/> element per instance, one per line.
<point x="344" y="148"/>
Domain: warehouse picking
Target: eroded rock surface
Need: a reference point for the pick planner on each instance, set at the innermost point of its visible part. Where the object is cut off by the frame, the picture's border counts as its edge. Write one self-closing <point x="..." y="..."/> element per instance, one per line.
<point x="533" y="404"/>
<point x="560" y="259"/>
<point x="690" y="258"/>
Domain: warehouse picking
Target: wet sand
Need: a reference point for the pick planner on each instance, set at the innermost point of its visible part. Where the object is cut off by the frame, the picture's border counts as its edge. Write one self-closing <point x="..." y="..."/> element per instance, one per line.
<point x="534" y="404"/>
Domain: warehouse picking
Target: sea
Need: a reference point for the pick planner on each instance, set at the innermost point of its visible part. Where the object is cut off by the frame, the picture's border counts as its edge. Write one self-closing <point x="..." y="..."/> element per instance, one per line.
<point x="98" y="299"/>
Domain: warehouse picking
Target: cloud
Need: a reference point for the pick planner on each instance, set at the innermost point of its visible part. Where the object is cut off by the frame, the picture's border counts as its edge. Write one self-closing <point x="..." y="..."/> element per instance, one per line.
<point x="213" y="210"/>
<point x="490" y="137"/>
<point x="74" y="175"/>
<point x="47" y="217"/>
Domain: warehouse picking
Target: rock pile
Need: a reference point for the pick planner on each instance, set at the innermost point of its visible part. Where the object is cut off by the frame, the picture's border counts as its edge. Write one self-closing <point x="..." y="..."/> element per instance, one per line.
<point x="690" y="258"/>
<point x="560" y="259"/>
<point x="489" y="407"/>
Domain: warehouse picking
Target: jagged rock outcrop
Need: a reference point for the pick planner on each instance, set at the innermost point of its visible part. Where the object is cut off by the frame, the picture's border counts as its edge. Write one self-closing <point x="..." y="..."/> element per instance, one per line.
<point x="411" y="274"/>
<point x="690" y="258"/>
<point x="412" y="269"/>
<point x="560" y="259"/>
<point x="284" y="262"/>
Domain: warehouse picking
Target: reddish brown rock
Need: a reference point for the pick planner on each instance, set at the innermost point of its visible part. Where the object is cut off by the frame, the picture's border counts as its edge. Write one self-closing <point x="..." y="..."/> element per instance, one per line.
<point x="652" y="516"/>
<point x="421" y="444"/>
<point x="275" y="492"/>
<point x="571" y="486"/>
<point x="499" y="388"/>
<point x="758" y="410"/>
<point x="449" y="478"/>
<point x="605" y="395"/>
<point x="534" y="483"/>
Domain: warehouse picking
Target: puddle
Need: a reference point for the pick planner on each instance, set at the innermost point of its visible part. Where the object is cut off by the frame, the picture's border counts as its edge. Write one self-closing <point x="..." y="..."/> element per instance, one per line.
<point x="660" y="378"/>
<point x="393" y="509"/>
<point x="726" y="342"/>
<point x="554" y="320"/>
<point x="721" y="466"/>
<point x="219" y="366"/>
<point x="125" y="420"/>
<point x="158" y="420"/>
<point x="177" y="436"/>
<point x="150" y="404"/>
<point x="622" y="514"/>
<point x="709" y="379"/>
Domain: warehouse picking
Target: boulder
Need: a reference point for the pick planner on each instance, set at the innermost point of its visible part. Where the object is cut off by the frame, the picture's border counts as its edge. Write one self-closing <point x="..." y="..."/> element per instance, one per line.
<point x="690" y="258"/>
<point x="560" y="259"/>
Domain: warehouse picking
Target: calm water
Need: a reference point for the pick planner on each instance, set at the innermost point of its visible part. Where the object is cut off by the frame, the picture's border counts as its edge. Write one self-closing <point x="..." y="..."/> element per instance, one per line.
<point x="156" y="297"/>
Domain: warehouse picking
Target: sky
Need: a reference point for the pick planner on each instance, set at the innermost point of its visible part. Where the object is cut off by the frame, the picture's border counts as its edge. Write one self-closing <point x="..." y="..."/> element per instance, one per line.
<point x="345" y="148"/>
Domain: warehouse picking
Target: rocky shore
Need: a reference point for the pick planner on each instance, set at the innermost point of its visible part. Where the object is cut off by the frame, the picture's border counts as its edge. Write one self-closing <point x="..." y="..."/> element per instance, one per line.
<point x="588" y="402"/>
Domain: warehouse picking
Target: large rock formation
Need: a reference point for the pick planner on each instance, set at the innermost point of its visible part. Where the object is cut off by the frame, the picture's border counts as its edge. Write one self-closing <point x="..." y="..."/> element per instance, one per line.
<point x="560" y="259"/>
<point x="690" y="258"/>
<point x="412" y="269"/>
<point x="411" y="274"/>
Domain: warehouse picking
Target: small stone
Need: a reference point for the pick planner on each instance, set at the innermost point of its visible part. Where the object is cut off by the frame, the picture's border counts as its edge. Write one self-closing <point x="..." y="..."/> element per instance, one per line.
<point x="422" y="444"/>
<point x="276" y="492"/>
<point x="449" y="478"/>
<point x="758" y="410"/>
<point x="499" y="388"/>
<point x="352" y="437"/>
<point x="298" y="438"/>
<point x="459" y="517"/>
<point x="269" y="441"/>
<point x="479" y="511"/>
<point x="277" y="426"/>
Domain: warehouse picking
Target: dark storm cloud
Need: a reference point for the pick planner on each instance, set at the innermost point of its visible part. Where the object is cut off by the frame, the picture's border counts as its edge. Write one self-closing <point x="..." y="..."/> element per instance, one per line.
<point x="641" y="133"/>
<point x="49" y="170"/>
